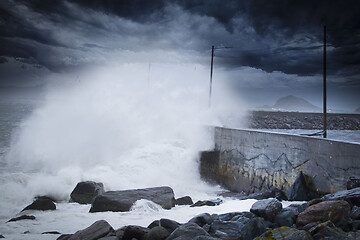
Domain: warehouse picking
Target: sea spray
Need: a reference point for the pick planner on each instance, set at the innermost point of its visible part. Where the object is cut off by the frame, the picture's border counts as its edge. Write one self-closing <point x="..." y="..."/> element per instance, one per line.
<point x="120" y="125"/>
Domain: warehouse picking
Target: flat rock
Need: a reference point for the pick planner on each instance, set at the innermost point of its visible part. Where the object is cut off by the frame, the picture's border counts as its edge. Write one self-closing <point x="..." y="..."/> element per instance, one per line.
<point x="285" y="233"/>
<point x="214" y="202"/>
<point x="97" y="230"/>
<point x="42" y="204"/>
<point x="352" y="196"/>
<point x="121" y="201"/>
<point x="337" y="212"/>
<point x="85" y="192"/>
<point x="267" y="208"/>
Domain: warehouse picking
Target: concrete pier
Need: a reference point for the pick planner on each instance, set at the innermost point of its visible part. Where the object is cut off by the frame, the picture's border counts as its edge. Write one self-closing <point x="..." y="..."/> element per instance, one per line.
<point x="255" y="161"/>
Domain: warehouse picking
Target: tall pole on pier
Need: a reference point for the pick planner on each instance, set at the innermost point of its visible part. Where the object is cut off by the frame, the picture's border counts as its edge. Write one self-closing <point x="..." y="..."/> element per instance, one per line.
<point x="324" y="84"/>
<point x="211" y="72"/>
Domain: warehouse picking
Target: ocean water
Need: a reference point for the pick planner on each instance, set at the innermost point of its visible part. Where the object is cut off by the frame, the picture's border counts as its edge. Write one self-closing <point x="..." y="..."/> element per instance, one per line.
<point x="116" y="125"/>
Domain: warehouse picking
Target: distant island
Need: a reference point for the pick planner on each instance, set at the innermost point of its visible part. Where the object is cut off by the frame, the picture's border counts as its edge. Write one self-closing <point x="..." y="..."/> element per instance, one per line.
<point x="292" y="103"/>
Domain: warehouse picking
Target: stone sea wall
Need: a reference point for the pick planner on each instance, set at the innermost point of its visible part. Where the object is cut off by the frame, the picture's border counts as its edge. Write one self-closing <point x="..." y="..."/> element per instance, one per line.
<point x="255" y="161"/>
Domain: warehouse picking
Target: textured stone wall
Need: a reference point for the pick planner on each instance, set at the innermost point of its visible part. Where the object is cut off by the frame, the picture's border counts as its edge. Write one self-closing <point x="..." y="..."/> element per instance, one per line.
<point x="254" y="161"/>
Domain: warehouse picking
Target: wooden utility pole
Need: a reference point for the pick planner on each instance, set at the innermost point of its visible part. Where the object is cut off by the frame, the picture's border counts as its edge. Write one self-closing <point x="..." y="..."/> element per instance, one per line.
<point x="211" y="72"/>
<point x="324" y="84"/>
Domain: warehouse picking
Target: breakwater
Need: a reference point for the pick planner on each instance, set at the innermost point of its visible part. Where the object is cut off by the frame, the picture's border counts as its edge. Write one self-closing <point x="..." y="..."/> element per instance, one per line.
<point x="255" y="161"/>
<point x="302" y="120"/>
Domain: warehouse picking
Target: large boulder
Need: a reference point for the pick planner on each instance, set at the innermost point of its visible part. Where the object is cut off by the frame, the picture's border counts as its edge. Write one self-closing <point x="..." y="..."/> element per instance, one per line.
<point x="337" y="212"/>
<point x="42" y="204"/>
<point x="285" y="233"/>
<point x="121" y="201"/>
<point x="226" y="229"/>
<point x="135" y="232"/>
<point x="188" y="231"/>
<point x="267" y="208"/>
<point x="157" y="233"/>
<point x="253" y="228"/>
<point x="97" y="230"/>
<point x="352" y="196"/>
<point x="85" y="192"/>
<point x="302" y="189"/>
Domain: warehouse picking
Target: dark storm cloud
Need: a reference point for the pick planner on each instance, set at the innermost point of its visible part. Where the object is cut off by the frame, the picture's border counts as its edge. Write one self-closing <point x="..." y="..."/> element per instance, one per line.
<point x="276" y="35"/>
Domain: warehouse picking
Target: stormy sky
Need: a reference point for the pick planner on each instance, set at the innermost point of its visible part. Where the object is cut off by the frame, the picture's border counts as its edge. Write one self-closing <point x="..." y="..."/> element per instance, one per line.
<point x="276" y="46"/>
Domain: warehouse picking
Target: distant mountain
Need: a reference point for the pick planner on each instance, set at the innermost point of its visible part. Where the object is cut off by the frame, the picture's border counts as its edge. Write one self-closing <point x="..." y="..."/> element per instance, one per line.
<point x="292" y="103"/>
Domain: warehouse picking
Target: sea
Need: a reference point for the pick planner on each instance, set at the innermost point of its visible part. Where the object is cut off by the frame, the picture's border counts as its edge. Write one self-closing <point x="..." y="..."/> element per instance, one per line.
<point x="110" y="131"/>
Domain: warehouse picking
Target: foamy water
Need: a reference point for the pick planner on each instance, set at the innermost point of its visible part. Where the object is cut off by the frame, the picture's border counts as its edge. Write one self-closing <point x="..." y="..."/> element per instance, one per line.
<point x="117" y="125"/>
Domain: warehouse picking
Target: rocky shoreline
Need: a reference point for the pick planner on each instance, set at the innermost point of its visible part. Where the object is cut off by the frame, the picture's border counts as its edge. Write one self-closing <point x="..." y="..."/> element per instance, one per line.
<point x="331" y="216"/>
<point x="302" y="120"/>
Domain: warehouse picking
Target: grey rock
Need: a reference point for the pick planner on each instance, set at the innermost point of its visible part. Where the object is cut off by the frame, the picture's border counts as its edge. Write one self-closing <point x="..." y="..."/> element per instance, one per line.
<point x="42" y="204"/>
<point x="352" y="196"/>
<point x="157" y="233"/>
<point x="253" y="228"/>
<point x="137" y="232"/>
<point x="267" y="208"/>
<point x="97" y="230"/>
<point x="226" y="229"/>
<point x="64" y="237"/>
<point x="109" y="238"/>
<point x="215" y="202"/>
<point x="272" y="193"/>
<point x="202" y="219"/>
<point x="355" y="213"/>
<point x="285" y="218"/>
<point x="169" y="225"/>
<point x="121" y="201"/>
<point x="188" y="231"/>
<point x="155" y="223"/>
<point x="328" y="230"/>
<point x="299" y="191"/>
<point x="184" y="201"/>
<point x="85" y="192"/>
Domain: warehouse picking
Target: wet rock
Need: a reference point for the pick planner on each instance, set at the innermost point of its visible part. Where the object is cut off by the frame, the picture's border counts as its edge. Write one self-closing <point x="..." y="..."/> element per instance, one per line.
<point x="188" y="231"/>
<point x="285" y="233"/>
<point x="337" y="212"/>
<point x="23" y="217"/>
<point x="297" y="208"/>
<point x="42" y="204"/>
<point x="267" y="208"/>
<point x="84" y="192"/>
<point x="253" y="228"/>
<point x="1" y="236"/>
<point x="215" y="202"/>
<point x="285" y="218"/>
<point x="301" y="189"/>
<point x="51" y="232"/>
<point x="352" y="183"/>
<point x="169" y="225"/>
<point x="228" y="216"/>
<point x="328" y="230"/>
<point x="154" y="224"/>
<point x="97" y="230"/>
<point x="202" y="219"/>
<point x="226" y="229"/>
<point x="184" y="201"/>
<point x="137" y="232"/>
<point x="355" y="213"/>
<point x="352" y="196"/>
<point x="272" y="193"/>
<point x="157" y="233"/>
<point x="121" y="201"/>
